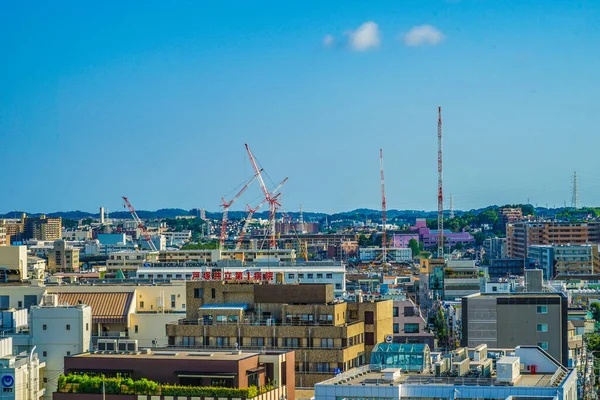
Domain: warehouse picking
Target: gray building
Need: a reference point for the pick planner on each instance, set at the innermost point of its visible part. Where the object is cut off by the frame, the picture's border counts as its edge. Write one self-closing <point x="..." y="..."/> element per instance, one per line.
<point x="494" y="249"/>
<point x="510" y="320"/>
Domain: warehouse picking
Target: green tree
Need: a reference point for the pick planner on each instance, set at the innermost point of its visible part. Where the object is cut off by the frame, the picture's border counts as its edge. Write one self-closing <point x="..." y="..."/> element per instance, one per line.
<point x="414" y="246"/>
<point x="364" y="240"/>
<point x="479" y="238"/>
<point x="595" y="309"/>
<point x="441" y="328"/>
<point x="488" y="217"/>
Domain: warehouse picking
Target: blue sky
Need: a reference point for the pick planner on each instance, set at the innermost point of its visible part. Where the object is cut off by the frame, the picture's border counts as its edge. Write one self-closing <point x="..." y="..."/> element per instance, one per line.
<point x="156" y="101"/>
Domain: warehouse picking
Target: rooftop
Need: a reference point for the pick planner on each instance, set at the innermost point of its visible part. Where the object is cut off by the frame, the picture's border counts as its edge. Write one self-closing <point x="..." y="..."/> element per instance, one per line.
<point x="106" y="307"/>
<point x="175" y="354"/>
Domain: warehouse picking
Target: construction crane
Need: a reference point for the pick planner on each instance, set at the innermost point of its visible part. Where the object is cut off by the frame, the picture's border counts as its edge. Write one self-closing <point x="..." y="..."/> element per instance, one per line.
<point x="440" y="217"/>
<point x="140" y="224"/>
<point x="383" y="210"/>
<point x="227" y="204"/>
<point x="251" y="212"/>
<point x="273" y="203"/>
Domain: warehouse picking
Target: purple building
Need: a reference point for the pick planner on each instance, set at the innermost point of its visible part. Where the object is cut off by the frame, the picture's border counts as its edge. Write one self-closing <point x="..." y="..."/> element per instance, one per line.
<point x="429" y="237"/>
<point x="400" y="240"/>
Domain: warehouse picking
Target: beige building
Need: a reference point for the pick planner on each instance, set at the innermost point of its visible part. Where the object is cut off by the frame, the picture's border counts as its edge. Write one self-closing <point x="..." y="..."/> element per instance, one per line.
<point x="3" y="238"/>
<point x="510" y="320"/>
<point x="36" y="267"/>
<point x="521" y="235"/>
<point x="63" y="258"/>
<point x="211" y="256"/>
<point x="327" y="335"/>
<point x="42" y="228"/>
<point x="129" y="261"/>
<point x="13" y="263"/>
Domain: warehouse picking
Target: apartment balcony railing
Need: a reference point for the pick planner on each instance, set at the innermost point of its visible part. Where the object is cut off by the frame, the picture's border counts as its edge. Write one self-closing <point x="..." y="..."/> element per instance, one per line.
<point x="258" y="322"/>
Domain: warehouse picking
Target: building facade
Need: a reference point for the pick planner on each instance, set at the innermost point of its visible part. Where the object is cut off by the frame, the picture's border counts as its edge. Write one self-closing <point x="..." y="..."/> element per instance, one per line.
<point x="395" y="255"/>
<point x="327" y="335"/>
<point x="13" y="263"/>
<point x="42" y="228"/>
<point x="566" y="259"/>
<point x="63" y="258"/>
<point x="22" y="374"/>
<point x="494" y="249"/>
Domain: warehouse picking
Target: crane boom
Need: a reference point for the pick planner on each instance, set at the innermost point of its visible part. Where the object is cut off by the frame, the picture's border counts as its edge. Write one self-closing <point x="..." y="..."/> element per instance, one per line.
<point x="227" y="204"/>
<point x="383" y="209"/>
<point x="251" y="212"/>
<point x="140" y="224"/>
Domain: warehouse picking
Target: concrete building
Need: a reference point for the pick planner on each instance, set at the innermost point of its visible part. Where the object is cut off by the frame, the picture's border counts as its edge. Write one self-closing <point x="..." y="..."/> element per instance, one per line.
<point x="4" y="240"/>
<point x="211" y="367"/>
<point x="509" y="320"/>
<point x="58" y="331"/>
<point x="455" y="376"/>
<point x="36" y="267"/>
<point x="76" y="235"/>
<point x="393" y="255"/>
<point x="509" y="215"/>
<point x="63" y="258"/>
<point x="13" y="263"/>
<point x="409" y="326"/>
<point x="494" y="249"/>
<point x="401" y="240"/>
<point x="22" y="374"/>
<point x="129" y="261"/>
<point x="504" y="267"/>
<point x="521" y="235"/>
<point x="327" y="335"/>
<point x="565" y="259"/>
<point x="42" y="228"/>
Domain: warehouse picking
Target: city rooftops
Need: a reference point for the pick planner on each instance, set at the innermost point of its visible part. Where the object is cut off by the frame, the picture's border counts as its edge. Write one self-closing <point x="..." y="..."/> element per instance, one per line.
<point x="174" y="354"/>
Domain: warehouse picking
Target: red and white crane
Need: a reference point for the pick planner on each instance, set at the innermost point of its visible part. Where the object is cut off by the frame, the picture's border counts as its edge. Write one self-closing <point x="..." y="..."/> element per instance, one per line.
<point x="251" y="212"/>
<point x="383" y="211"/>
<point x="227" y="204"/>
<point x="140" y="224"/>
<point x="272" y="200"/>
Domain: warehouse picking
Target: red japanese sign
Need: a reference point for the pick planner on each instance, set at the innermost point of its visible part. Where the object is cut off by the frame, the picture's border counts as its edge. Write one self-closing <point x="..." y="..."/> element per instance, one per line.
<point x="233" y="276"/>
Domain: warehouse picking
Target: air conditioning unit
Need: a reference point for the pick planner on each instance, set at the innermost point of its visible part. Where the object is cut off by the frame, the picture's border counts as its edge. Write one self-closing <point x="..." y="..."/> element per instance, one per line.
<point x="128" y="345"/>
<point x="107" y="344"/>
<point x="50" y="300"/>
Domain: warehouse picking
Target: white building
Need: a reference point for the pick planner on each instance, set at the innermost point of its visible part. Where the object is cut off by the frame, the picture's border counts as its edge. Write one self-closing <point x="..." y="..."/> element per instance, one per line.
<point x="393" y="254"/>
<point x="21" y="374"/>
<point x="174" y="238"/>
<point x="13" y="263"/>
<point x="76" y="235"/>
<point x="58" y="331"/>
<point x="449" y="378"/>
<point x="129" y="261"/>
<point x="285" y="272"/>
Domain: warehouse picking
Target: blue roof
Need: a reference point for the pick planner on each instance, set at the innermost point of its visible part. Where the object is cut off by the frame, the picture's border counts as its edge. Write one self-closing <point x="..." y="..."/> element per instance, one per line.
<point x="400" y="348"/>
<point x="228" y="306"/>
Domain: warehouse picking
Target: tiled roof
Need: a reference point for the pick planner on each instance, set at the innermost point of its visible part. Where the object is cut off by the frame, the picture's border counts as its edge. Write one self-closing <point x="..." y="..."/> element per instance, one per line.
<point x="106" y="307"/>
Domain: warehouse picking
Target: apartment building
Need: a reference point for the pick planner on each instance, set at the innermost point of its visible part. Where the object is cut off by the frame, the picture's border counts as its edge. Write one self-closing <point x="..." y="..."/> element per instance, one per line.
<point x="129" y="261"/>
<point x="63" y="258"/>
<point x="508" y="215"/>
<point x="569" y="259"/>
<point x="212" y="256"/>
<point x="328" y="335"/>
<point x="395" y="255"/>
<point x="510" y="320"/>
<point x="22" y="374"/>
<point x="42" y="228"/>
<point x="495" y="249"/>
<point x="14" y="229"/>
<point x="521" y="235"/>
<point x="4" y="240"/>
<point x="409" y="325"/>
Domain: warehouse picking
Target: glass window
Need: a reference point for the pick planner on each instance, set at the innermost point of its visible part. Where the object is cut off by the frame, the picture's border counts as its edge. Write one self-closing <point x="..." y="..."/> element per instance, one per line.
<point x="301" y="276"/>
<point x="396" y="328"/>
<point x="310" y="276"/>
<point x="543" y="345"/>
<point x="198" y="293"/>
<point x="221" y="318"/>
<point x="291" y="276"/>
<point x="411" y="328"/>
<point x="338" y="286"/>
<point x="319" y="276"/>
<point x="542" y="309"/>
<point x="542" y="327"/>
<point x="329" y="276"/>
<point x="395" y="311"/>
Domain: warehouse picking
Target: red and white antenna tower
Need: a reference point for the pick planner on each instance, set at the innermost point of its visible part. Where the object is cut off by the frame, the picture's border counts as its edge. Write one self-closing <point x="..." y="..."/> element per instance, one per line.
<point x="272" y="200"/>
<point x="226" y="205"/>
<point x="440" y="219"/>
<point x="383" y="210"/>
<point x="140" y="224"/>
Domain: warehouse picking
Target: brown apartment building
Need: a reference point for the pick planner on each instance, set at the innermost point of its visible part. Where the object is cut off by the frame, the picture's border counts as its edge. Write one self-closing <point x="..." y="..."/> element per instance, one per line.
<point x="327" y="335"/>
<point x="521" y="235"/>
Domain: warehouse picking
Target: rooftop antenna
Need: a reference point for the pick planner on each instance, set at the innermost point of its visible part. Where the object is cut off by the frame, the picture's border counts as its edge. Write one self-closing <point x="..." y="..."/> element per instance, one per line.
<point x="440" y="221"/>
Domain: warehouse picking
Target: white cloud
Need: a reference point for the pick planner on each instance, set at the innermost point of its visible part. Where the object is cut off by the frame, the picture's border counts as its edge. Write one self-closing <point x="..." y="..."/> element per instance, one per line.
<point x="328" y="41"/>
<point x="365" y="37"/>
<point x="423" y="35"/>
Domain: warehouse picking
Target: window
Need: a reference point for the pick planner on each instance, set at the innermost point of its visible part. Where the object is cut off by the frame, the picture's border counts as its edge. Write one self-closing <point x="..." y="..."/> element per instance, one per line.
<point x="44" y="327"/>
<point x="68" y="327"/>
<point x="213" y="293"/>
<point x="141" y="304"/>
<point x="257" y="341"/>
<point x="409" y="311"/>
<point x="396" y="328"/>
<point x="319" y="276"/>
<point x="45" y="353"/>
<point x="543" y="345"/>
<point x="494" y="289"/>
<point x="19" y="304"/>
<point x="329" y="276"/>
<point x="327" y="343"/>
<point x="87" y="326"/>
<point x="542" y="327"/>
<point x="222" y="341"/>
<point x="198" y="293"/>
<point x="300" y="276"/>
<point x="411" y="328"/>
<point x="290" y="342"/>
<point x="338" y="286"/>
<point x="542" y="310"/>
<point x="369" y="338"/>
<point x="68" y="353"/>
<point x="310" y="276"/>
<point x="322" y="367"/>
<point x="291" y="276"/>
<point x="221" y="318"/>
<point x="159" y="276"/>
<point x="173" y="298"/>
<point x="136" y="329"/>
<point x="395" y="314"/>
<point x="369" y="318"/>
